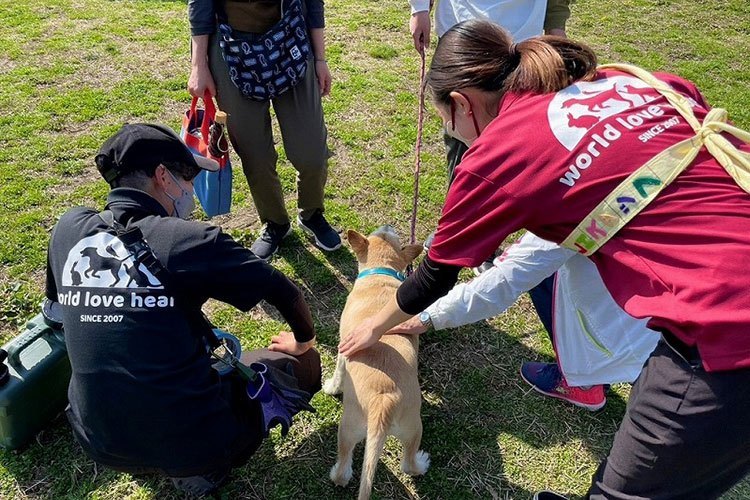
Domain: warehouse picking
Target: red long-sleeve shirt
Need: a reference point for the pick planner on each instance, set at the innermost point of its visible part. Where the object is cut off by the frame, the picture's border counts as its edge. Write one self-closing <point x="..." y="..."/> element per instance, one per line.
<point x="547" y="160"/>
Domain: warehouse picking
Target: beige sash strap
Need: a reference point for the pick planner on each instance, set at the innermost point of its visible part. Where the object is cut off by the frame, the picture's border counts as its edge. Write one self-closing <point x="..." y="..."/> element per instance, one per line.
<point x="644" y="185"/>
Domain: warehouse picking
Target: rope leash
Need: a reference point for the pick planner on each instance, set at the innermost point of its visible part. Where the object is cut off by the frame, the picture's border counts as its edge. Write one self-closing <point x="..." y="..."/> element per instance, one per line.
<point x="417" y="159"/>
<point x="418" y="152"/>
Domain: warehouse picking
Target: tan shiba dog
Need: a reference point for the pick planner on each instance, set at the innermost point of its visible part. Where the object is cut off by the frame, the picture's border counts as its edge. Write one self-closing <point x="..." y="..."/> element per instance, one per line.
<point x="381" y="391"/>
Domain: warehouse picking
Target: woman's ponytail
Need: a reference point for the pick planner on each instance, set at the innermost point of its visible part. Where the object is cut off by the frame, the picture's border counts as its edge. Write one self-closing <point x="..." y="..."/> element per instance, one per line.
<point x="481" y="54"/>
<point x="550" y="63"/>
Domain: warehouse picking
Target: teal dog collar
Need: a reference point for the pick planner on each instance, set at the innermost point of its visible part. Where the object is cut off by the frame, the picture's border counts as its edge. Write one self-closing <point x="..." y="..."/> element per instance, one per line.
<point x="382" y="270"/>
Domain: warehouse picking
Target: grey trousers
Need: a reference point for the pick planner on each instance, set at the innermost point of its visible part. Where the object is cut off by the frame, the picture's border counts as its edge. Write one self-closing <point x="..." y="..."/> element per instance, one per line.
<point x="304" y="373"/>
<point x="299" y="112"/>
<point x="301" y="372"/>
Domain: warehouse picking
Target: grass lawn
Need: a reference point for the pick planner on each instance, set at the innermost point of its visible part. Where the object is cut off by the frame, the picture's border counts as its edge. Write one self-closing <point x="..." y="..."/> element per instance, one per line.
<point x="72" y="71"/>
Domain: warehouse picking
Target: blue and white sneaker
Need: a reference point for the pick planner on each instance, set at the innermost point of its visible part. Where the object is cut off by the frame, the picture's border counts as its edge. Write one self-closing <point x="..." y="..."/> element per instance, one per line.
<point x="326" y="238"/>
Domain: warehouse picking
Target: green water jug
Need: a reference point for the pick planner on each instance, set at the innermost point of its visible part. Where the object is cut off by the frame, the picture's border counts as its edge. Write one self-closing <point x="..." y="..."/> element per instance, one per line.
<point x="34" y="380"/>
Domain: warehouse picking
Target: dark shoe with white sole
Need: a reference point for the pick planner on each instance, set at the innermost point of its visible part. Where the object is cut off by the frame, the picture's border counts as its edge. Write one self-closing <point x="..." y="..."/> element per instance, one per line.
<point x="548" y="495"/>
<point x="269" y="240"/>
<point x="326" y="238"/>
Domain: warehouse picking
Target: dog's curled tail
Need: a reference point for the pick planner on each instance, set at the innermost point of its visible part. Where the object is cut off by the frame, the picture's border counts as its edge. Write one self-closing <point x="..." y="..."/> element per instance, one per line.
<point x="379" y="419"/>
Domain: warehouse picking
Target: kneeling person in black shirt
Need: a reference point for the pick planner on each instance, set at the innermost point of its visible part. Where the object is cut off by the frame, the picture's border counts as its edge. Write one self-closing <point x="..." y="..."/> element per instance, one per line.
<point x="143" y="395"/>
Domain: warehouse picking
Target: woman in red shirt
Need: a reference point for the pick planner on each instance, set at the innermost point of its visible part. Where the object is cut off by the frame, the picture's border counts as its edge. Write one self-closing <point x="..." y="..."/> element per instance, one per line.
<point x="552" y="136"/>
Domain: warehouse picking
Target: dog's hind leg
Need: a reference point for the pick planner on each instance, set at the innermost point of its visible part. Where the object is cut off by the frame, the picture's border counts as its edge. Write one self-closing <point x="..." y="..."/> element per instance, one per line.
<point x="352" y="430"/>
<point x="379" y="419"/>
<point x="335" y="384"/>
<point x="415" y="462"/>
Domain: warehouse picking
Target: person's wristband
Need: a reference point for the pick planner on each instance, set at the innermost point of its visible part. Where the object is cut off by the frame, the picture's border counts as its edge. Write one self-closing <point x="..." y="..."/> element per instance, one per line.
<point x="321" y="59"/>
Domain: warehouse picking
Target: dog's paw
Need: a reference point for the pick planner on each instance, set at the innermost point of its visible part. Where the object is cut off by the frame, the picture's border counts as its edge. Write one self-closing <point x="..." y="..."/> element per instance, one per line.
<point x="341" y="477"/>
<point x="419" y="466"/>
<point x="331" y="388"/>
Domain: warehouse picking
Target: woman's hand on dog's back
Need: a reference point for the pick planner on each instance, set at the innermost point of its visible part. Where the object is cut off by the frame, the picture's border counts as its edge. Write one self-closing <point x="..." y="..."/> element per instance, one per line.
<point x="369" y="331"/>
<point x="362" y="336"/>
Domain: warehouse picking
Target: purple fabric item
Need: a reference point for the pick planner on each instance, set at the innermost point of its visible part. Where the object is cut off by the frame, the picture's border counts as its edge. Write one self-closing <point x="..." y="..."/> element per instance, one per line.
<point x="277" y="402"/>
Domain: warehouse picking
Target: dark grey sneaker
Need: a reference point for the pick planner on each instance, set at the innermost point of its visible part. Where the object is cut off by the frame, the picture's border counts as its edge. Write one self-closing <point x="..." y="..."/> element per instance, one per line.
<point x="325" y="236"/>
<point x="200" y="486"/>
<point x="269" y="240"/>
<point x="548" y="495"/>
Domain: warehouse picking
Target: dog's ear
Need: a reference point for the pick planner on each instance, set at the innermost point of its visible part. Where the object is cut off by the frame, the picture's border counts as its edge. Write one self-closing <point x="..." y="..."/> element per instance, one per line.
<point x="411" y="252"/>
<point x="358" y="242"/>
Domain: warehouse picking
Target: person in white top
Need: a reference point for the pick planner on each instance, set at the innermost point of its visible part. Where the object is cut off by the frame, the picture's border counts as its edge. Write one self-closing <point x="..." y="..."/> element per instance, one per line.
<point x="596" y="342"/>
<point x="522" y="18"/>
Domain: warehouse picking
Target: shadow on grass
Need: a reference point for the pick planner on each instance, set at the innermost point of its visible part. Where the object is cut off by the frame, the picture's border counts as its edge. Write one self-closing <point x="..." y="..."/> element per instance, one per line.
<point x="164" y="1"/>
<point x="475" y="398"/>
<point x="478" y="417"/>
<point x="301" y="471"/>
<point x="478" y="367"/>
<point x="324" y="291"/>
<point x="478" y="409"/>
<point x="302" y="259"/>
<point x="54" y="467"/>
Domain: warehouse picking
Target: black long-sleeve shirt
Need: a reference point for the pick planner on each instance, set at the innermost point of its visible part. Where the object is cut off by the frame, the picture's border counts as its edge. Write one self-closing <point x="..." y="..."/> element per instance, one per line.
<point x="431" y="281"/>
<point x="142" y="391"/>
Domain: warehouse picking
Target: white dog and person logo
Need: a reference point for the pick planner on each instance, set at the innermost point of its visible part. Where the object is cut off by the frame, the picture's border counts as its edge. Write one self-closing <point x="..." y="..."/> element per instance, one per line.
<point x="577" y="109"/>
<point x="611" y="106"/>
<point x="100" y="272"/>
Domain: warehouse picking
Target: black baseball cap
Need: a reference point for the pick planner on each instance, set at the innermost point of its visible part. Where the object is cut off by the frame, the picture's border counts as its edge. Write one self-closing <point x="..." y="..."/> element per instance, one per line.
<point x="143" y="145"/>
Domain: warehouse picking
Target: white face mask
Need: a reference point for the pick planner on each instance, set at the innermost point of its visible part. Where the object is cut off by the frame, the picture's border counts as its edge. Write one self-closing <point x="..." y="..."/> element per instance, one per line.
<point x="450" y="125"/>
<point x="185" y="204"/>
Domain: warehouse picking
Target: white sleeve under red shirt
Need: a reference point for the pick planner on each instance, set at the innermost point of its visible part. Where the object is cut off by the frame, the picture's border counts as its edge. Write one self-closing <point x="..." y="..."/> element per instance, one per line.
<point x="547" y="160"/>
